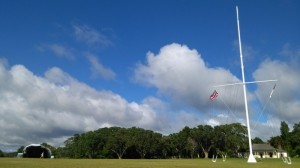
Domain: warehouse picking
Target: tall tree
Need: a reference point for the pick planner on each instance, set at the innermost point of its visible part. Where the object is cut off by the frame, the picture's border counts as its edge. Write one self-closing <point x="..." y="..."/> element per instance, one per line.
<point x="119" y="141"/>
<point x="295" y="140"/>
<point x="276" y="141"/>
<point x="145" y="141"/>
<point x="257" y="140"/>
<point x="179" y="141"/>
<point x="73" y="147"/>
<point x="1" y="153"/>
<point x="284" y="130"/>
<point x="203" y="135"/>
<point x="166" y="146"/>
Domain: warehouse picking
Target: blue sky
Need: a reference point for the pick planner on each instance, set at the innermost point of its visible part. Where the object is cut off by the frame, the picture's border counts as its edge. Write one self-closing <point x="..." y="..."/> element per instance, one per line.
<point x="143" y="63"/>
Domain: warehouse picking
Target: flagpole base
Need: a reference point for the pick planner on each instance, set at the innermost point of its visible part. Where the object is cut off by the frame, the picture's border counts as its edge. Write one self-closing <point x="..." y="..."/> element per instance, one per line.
<point x="251" y="159"/>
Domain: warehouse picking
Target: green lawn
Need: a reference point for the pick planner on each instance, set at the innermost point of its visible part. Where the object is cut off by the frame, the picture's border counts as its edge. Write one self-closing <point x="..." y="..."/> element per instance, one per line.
<point x="134" y="163"/>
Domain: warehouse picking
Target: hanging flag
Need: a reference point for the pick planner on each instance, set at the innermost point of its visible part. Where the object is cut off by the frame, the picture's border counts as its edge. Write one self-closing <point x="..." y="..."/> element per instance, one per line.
<point x="213" y="96"/>
<point x="272" y="91"/>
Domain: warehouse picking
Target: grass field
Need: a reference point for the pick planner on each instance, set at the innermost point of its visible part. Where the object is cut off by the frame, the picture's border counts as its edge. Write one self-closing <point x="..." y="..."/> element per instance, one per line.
<point x="134" y="163"/>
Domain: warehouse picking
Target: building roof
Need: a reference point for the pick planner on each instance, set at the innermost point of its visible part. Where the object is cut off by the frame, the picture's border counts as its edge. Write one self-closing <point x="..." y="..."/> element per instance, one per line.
<point x="263" y="147"/>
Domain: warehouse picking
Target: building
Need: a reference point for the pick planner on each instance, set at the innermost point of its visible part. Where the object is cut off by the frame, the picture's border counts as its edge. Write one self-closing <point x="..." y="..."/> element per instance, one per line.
<point x="267" y="151"/>
<point x="35" y="151"/>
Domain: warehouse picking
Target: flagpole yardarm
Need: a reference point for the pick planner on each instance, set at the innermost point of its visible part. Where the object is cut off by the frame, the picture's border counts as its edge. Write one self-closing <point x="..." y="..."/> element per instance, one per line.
<point x="242" y="83"/>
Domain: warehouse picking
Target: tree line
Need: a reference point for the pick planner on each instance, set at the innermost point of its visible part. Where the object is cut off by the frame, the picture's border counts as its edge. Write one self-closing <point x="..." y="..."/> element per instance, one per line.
<point x="203" y="141"/>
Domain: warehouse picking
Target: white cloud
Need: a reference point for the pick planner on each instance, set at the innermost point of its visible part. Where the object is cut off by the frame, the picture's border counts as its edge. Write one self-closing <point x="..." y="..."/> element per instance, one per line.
<point x="98" y="69"/>
<point x="91" y="36"/>
<point x="285" y="102"/>
<point x="180" y="73"/>
<point x="58" y="50"/>
<point x="37" y="109"/>
<point x="49" y="108"/>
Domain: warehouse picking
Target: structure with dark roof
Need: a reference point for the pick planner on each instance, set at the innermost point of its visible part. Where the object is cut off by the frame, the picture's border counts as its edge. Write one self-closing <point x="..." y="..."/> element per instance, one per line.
<point x="36" y="151"/>
<point x="267" y="151"/>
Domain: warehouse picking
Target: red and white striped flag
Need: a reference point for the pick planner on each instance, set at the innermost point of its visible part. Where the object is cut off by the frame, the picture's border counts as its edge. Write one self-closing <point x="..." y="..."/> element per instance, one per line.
<point x="213" y="96"/>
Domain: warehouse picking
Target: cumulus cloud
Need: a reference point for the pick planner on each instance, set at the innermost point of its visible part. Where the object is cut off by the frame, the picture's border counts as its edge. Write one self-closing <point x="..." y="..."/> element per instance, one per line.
<point x="285" y="103"/>
<point x="52" y="107"/>
<point x="49" y="108"/>
<point x="181" y="73"/>
<point x="98" y="69"/>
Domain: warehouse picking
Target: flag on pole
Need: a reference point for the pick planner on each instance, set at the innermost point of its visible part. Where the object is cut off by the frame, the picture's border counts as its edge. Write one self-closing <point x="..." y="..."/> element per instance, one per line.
<point x="214" y="95"/>
<point x="272" y="91"/>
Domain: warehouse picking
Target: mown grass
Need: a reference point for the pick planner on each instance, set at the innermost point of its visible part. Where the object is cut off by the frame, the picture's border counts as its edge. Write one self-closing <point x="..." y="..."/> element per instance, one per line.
<point x="135" y="163"/>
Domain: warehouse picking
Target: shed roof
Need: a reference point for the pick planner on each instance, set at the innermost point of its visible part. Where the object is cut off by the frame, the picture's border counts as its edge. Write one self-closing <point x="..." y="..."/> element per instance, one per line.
<point x="263" y="147"/>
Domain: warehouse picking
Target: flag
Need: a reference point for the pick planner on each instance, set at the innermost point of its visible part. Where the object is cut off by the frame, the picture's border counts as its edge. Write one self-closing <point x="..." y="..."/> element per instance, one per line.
<point x="272" y="91"/>
<point x="213" y="96"/>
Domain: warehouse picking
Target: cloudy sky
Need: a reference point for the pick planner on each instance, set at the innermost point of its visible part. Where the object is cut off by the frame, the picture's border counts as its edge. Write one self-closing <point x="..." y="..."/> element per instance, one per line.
<point x="68" y="67"/>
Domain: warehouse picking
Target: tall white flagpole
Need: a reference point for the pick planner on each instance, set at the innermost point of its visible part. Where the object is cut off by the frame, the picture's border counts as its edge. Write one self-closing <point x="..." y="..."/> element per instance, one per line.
<point x="251" y="158"/>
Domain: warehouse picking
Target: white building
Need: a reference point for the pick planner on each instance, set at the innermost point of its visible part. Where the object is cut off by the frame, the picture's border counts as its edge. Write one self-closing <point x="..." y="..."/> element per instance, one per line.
<point x="267" y="151"/>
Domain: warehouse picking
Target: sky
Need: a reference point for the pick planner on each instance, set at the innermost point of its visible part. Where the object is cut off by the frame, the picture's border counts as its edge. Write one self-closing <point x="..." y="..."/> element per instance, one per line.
<point x="68" y="67"/>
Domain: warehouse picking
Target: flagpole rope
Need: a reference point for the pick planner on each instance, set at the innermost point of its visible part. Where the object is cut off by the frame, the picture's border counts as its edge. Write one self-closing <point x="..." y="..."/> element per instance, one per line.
<point x="264" y="107"/>
<point x="261" y="112"/>
<point x="230" y="110"/>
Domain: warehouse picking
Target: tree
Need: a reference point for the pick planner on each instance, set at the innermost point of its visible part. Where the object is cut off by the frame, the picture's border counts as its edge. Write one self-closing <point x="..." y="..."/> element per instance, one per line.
<point x="294" y="140"/>
<point x="257" y="140"/>
<point x="276" y="142"/>
<point x="203" y="135"/>
<point x="285" y="135"/>
<point x="220" y="139"/>
<point x="144" y="141"/>
<point x="73" y="147"/>
<point x="191" y="146"/>
<point x="179" y="141"/>
<point x="119" y="141"/>
<point x="20" y="150"/>
<point x="166" y="146"/>
<point x="1" y="153"/>
<point x="284" y="130"/>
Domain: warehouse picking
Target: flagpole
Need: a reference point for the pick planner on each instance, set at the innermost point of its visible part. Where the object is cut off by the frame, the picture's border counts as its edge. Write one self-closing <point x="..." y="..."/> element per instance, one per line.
<point x="251" y="158"/>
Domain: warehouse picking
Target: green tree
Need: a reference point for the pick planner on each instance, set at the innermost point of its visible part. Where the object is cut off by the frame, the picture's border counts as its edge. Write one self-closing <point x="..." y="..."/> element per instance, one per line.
<point x="1" y="153"/>
<point x="284" y="130"/>
<point x="294" y="140"/>
<point x="179" y="141"/>
<point x="145" y="141"/>
<point x="203" y="136"/>
<point x="257" y="140"/>
<point x="20" y="150"/>
<point x="73" y="147"/>
<point x="119" y="141"/>
<point x="230" y="139"/>
<point x="285" y="136"/>
<point x="166" y="146"/>
<point x="191" y="146"/>
<point x="276" y="142"/>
